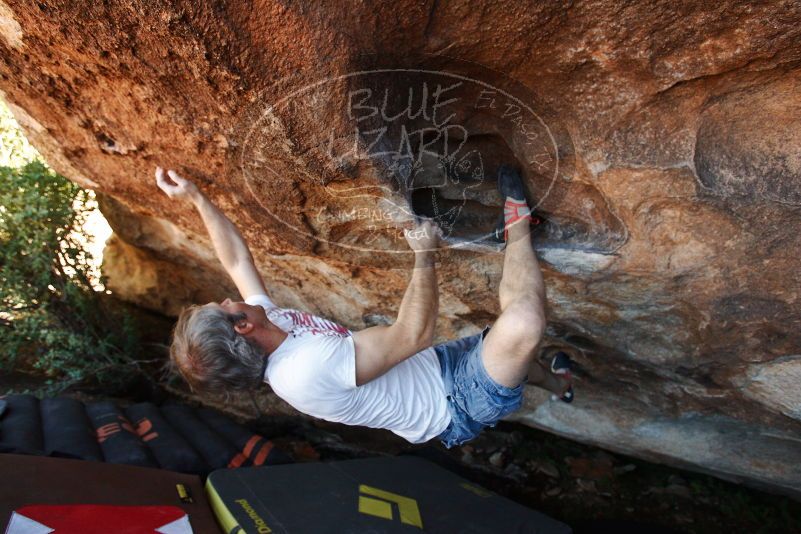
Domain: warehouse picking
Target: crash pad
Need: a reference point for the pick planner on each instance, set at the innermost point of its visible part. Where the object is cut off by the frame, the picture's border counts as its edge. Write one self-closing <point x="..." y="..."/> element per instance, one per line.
<point x="379" y="495"/>
<point x="38" y="481"/>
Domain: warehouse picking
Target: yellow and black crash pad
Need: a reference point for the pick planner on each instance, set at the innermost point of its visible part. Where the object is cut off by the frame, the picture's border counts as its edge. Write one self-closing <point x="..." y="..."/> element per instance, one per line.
<point x="402" y="494"/>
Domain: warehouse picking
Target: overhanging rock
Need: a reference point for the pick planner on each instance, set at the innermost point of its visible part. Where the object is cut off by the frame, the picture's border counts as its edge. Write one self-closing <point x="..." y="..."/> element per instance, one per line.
<point x="659" y="140"/>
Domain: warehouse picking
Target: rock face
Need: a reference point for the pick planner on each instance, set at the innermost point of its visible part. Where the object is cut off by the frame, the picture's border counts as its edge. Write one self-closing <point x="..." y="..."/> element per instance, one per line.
<point x="660" y="142"/>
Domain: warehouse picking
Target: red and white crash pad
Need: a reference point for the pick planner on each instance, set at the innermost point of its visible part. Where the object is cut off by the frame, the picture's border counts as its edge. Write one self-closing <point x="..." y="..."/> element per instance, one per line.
<point x="98" y="519"/>
<point x="60" y="487"/>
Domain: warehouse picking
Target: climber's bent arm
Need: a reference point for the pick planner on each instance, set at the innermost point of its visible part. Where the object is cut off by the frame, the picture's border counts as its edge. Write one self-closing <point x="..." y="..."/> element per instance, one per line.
<point x="380" y="348"/>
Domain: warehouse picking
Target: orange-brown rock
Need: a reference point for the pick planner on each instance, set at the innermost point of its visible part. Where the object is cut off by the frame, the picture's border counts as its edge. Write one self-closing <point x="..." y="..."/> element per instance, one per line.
<point x="661" y="142"/>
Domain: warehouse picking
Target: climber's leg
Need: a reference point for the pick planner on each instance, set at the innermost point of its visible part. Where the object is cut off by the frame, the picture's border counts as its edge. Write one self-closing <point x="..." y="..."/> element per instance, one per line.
<point x="484" y="373"/>
<point x="510" y="346"/>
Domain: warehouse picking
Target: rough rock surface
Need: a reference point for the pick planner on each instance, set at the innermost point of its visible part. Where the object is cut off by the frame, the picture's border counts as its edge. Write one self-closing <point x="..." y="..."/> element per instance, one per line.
<point x="660" y="141"/>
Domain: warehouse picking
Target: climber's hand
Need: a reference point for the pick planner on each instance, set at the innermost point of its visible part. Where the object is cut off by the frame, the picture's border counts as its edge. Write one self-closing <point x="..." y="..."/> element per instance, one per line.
<point x="425" y="236"/>
<point x="176" y="186"/>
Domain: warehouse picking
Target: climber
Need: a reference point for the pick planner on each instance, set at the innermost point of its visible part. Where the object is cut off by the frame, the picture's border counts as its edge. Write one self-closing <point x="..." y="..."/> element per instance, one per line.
<point x="383" y="376"/>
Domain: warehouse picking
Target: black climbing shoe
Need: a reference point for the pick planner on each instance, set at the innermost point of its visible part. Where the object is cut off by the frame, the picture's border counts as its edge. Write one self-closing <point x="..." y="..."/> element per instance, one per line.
<point x="510" y="183"/>
<point x="562" y="365"/>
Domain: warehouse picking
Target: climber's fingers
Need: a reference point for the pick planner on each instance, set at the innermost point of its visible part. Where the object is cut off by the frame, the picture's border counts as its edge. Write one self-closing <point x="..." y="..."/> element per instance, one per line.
<point x="164" y="183"/>
<point x="174" y="185"/>
<point x="426" y="235"/>
<point x="177" y="178"/>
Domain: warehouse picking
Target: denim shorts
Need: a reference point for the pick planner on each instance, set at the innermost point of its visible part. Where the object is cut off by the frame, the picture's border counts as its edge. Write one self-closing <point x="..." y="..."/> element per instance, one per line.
<point x="475" y="401"/>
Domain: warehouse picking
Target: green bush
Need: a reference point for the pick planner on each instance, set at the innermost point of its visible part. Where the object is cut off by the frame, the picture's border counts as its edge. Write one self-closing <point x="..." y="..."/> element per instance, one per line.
<point x="52" y="318"/>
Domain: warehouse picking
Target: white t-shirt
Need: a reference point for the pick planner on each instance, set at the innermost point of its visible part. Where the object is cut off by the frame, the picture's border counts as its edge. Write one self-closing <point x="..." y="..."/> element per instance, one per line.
<point x="314" y="370"/>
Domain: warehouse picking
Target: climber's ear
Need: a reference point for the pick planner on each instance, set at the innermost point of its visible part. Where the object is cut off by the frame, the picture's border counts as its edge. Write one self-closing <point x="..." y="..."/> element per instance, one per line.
<point x="243" y="327"/>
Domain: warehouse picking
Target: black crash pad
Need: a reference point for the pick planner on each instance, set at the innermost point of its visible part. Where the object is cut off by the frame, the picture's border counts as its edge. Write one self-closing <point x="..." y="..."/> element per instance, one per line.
<point x="377" y="495"/>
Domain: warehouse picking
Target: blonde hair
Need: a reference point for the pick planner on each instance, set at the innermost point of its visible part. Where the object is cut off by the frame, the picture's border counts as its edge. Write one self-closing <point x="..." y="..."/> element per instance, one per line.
<point x="210" y="355"/>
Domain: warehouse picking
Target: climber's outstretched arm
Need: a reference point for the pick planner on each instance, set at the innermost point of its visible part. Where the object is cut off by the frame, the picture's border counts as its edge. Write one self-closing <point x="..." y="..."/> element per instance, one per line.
<point x="228" y="242"/>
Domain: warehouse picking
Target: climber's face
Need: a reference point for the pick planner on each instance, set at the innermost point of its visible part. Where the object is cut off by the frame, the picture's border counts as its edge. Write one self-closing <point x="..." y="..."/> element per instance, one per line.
<point x="232" y="306"/>
<point x="254" y="315"/>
